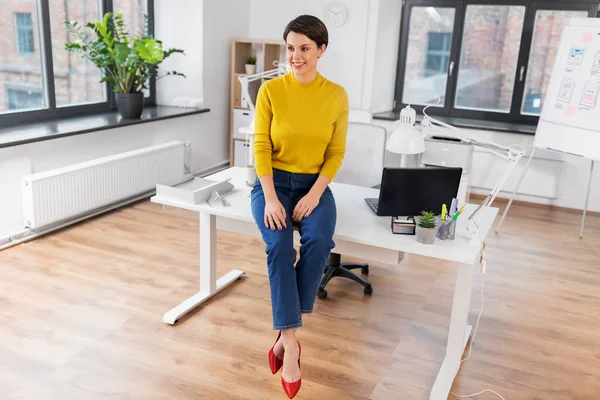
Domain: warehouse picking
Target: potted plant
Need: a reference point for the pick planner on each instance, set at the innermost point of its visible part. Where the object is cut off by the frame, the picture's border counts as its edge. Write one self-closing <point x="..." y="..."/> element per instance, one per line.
<point x="250" y="65"/>
<point x="426" y="227"/>
<point x="127" y="62"/>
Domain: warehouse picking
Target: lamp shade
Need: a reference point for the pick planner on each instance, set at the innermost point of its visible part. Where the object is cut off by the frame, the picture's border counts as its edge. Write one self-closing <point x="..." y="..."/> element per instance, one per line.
<point x="405" y="139"/>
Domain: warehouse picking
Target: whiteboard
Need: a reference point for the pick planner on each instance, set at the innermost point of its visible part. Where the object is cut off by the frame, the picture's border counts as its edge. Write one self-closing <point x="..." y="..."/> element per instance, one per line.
<point x="570" y="119"/>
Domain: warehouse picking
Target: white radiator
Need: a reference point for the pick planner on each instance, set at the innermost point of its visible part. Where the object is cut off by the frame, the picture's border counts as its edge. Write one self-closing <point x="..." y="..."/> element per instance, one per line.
<point x="64" y="193"/>
<point x="542" y="178"/>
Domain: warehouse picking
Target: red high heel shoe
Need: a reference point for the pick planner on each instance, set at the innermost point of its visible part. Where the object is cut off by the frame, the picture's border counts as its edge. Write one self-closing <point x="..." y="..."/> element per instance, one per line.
<point x="274" y="362"/>
<point x="292" y="388"/>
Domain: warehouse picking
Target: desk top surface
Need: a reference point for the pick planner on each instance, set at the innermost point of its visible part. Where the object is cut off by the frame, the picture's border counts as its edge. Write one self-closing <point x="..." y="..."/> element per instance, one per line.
<point x="356" y="222"/>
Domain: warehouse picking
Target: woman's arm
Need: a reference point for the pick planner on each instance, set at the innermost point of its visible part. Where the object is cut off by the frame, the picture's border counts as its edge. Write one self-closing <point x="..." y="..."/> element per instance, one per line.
<point x="263" y="149"/>
<point x="336" y="149"/>
<point x="263" y="153"/>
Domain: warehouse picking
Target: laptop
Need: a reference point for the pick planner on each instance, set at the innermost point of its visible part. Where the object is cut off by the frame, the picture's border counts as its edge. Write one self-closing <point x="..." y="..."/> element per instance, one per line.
<point x="408" y="191"/>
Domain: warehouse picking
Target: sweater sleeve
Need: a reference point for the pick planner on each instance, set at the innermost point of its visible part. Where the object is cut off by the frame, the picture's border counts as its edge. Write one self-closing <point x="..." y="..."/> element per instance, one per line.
<point x="263" y="147"/>
<point x="336" y="149"/>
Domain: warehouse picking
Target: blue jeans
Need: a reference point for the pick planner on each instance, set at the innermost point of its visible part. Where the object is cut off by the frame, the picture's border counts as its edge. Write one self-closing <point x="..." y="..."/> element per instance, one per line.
<point x="294" y="289"/>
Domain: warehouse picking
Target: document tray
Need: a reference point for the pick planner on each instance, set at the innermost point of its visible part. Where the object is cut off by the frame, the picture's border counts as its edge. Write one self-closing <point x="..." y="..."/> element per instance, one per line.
<point x="190" y="189"/>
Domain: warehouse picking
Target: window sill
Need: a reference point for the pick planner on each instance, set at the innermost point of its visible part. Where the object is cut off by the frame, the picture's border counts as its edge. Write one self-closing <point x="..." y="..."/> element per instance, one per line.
<point x="30" y="133"/>
<point x="469" y="123"/>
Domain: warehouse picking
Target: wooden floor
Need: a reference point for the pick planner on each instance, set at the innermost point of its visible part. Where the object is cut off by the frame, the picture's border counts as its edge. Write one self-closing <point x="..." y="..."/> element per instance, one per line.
<point x="81" y="310"/>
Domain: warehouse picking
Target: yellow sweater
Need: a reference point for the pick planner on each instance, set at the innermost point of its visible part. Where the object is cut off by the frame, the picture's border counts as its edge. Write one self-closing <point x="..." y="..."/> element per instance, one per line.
<point x="300" y="127"/>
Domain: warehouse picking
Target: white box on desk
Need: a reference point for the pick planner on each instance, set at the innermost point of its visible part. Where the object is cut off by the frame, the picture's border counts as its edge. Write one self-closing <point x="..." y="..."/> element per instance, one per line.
<point x="190" y="189"/>
<point x="445" y="152"/>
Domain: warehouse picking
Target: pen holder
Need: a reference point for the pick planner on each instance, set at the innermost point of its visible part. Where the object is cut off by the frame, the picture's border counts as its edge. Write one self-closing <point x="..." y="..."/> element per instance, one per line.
<point x="446" y="229"/>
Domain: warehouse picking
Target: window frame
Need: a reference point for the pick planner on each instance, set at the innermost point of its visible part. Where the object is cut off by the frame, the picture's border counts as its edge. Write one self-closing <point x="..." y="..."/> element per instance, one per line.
<point x="50" y="111"/>
<point x="460" y="6"/>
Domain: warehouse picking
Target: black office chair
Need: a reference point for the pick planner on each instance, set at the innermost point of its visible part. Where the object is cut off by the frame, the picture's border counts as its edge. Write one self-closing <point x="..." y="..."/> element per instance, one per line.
<point x="336" y="268"/>
<point x="362" y="166"/>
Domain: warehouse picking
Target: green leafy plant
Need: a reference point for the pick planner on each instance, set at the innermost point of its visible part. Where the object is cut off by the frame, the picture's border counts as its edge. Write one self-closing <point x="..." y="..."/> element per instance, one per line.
<point x="427" y="220"/>
<point x="251" y="60"/>
<point x="126" y="61"/>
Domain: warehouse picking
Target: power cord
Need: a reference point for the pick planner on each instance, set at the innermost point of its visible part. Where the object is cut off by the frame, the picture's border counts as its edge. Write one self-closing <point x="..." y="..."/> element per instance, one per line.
<point x="483" y="267"/>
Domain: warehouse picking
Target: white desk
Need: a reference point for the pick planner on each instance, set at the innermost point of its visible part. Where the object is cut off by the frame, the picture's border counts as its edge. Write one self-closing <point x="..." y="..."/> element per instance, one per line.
<point x="374" y="242"/>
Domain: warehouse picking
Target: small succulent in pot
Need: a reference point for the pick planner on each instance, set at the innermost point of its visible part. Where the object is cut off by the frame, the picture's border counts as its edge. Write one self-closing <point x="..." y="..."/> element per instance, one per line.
<point x="426" y="227"/>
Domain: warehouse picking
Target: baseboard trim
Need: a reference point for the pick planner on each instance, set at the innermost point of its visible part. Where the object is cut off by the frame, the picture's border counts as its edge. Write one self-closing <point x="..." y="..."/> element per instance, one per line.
<point x="478" y="198"/>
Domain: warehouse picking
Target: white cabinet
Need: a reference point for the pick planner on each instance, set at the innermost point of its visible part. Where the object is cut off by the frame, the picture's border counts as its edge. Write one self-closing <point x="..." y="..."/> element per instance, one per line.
<point x="240" y="153"/>
<point x="241" y="119"/>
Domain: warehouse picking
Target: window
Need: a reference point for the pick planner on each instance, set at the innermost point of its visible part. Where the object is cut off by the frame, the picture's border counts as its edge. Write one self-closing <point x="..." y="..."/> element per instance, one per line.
<point x="24" y="33"/>
<point x="483" y="59"/>
<point x="421" y="82"/>
<point x="51" y="82"/>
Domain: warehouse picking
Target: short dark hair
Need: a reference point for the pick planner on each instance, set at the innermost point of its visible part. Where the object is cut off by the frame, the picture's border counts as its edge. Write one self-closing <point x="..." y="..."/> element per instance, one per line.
<point x="310" y="26"/>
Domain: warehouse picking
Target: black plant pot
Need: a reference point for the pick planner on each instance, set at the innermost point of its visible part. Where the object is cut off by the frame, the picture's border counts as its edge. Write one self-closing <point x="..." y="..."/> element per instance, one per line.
<point x="130" y="105"/>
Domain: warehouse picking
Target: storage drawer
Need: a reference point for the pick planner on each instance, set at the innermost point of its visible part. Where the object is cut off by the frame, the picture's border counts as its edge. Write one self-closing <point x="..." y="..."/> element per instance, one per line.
<point x="240" y="153"/>
<point x="446" y="153"/>
<point x="241" y="119"/>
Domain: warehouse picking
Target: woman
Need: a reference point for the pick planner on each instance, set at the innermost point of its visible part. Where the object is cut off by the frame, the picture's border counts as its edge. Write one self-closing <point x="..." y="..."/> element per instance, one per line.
<point x="300" y="141"/>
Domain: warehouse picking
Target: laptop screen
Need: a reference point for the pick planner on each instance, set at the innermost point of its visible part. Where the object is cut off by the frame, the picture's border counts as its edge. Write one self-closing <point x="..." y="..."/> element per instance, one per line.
<point x="409" y="191"/>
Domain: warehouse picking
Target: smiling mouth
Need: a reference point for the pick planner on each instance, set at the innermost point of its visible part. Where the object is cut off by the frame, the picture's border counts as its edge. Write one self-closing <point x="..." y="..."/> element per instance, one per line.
<point x="298" y="64"/>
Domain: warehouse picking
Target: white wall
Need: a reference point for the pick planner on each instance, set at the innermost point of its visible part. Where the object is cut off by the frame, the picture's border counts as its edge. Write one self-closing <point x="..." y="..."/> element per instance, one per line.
<point x="181" y="31"/>
<point x="223" y="21"/>
<point x="386" y="55"/>
<point x="345" y="60"/>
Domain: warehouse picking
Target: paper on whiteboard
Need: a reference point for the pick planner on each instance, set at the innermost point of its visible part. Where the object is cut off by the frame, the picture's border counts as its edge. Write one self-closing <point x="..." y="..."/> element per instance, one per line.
<point x="596" y="64"/>
<point x="590" y="96"/>
<point x="566" y="90"/>
<point x="575" y="59"/>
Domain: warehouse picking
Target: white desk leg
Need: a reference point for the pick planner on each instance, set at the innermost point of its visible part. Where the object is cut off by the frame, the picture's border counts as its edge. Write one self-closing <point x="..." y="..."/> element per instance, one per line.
<point x="458" y="334"/>
<point x="209" y="284"/>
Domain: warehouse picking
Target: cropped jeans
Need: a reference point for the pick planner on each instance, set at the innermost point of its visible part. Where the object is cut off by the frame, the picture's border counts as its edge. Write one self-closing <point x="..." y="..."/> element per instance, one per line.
<point x="294" y="287"/>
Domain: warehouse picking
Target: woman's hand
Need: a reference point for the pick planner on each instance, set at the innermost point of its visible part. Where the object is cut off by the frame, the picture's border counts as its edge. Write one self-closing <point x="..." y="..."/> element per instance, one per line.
<point x="275" y="215"/>
<point x="305" y="206"/>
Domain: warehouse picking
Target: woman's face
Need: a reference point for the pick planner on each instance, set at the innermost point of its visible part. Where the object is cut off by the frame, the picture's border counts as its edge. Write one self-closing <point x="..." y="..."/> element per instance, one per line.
<point x="302" y="54"/>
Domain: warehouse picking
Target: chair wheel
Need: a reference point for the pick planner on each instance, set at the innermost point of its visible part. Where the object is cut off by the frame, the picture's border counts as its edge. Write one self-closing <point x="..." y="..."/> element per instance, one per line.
<point x="369" y="289"/>
<point x="322" y="293"/>
<point x="365" y="270"/>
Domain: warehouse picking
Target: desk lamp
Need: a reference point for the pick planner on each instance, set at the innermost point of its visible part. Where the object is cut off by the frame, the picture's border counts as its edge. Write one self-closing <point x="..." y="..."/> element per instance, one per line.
<point x="406" y="139"/>
<point x="406" y="132"/>
<point x="281" y="68"/>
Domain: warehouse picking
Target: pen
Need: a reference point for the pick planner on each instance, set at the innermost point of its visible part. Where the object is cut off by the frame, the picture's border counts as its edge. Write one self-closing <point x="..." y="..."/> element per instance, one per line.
<point x="454" y="206"/>
<point x="456" y="214"/>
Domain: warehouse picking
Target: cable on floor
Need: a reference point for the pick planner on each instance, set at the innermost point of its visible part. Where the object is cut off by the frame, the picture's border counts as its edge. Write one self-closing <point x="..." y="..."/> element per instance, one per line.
<point x="464" y="396"/>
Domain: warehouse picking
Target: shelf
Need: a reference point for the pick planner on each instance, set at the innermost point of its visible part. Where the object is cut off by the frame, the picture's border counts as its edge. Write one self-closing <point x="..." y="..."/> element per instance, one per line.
<point x="266" y="53"/>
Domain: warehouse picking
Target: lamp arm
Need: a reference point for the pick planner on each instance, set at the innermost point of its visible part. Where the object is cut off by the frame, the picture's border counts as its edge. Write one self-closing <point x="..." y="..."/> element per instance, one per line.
<point x="487" y="148"/>
<point x="475" y="223"/>
<point x="469" y="136"/>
